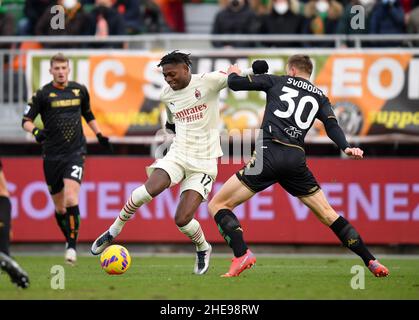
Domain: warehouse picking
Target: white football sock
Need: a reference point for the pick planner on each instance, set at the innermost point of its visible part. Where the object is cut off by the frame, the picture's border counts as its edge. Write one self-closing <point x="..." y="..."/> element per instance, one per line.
<point x="138" y="197"/>
<point x="194" y="232"/>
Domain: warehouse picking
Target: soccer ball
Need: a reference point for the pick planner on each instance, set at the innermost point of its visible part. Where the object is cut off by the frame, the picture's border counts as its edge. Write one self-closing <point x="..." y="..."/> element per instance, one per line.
<point x="115" y="259"/>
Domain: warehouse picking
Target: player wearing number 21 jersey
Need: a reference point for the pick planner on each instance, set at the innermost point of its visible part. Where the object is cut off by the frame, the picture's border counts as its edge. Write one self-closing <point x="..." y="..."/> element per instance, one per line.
<point x="293" y="103"/>
<point x="61" y="105"/>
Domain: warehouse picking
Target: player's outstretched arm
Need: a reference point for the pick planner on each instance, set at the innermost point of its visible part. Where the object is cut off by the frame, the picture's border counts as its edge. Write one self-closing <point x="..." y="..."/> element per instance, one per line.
<point x="260" y="82"/>
<point x="336" y="134"/>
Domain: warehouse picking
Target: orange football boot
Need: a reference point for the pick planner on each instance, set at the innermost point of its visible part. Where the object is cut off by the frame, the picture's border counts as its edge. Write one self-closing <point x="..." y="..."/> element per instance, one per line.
<point x="238" y="265"/>
<point x="378" y="269"/>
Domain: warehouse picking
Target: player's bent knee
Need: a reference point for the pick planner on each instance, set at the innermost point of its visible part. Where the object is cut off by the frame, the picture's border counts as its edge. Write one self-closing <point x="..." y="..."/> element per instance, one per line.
<point x="60" y="210"/>
<point x="214" y="206"/>
<point x="157" y="184"/>
<point x="4" y="193"/>
<point x="183" y="220"/>
<point x="71" y="200"/>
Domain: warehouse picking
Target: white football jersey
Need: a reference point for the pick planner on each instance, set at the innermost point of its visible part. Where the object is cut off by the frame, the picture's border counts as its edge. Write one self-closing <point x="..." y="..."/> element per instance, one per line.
<point x="196" y="114"/>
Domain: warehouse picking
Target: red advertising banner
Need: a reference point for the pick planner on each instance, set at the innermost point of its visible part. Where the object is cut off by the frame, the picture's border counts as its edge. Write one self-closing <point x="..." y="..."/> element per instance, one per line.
<point x="380" y="197"/>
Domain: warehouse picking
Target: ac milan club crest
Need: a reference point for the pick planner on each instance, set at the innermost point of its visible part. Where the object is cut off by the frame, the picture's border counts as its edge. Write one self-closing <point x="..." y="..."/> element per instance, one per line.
<point x="197" y="94"/>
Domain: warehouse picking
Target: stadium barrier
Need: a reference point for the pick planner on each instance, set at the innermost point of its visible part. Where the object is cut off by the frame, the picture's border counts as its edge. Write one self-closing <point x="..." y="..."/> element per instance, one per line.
<point x="380" y="197"/>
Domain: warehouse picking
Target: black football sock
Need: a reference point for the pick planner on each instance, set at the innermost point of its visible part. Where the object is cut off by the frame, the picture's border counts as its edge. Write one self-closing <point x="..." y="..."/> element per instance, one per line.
<point x="230" y="228"/>
<point x="73" y="221"/>
<point x="351" y="239"/>
<point x="62" y="223"/>
<point x="5" y="218"/>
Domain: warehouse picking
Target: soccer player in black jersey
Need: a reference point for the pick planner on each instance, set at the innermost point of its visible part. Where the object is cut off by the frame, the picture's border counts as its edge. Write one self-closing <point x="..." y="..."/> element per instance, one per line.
<point x="61" y="104"/>
<point x="7" y="264"/>
<point x="293" y="103"/>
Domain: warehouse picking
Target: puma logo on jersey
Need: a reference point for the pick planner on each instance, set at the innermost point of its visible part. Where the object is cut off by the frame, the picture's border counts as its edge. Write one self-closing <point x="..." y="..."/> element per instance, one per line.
<point x="76" y="92"/>
<point x="52" y="95"/>
<point x="293" y="132"/>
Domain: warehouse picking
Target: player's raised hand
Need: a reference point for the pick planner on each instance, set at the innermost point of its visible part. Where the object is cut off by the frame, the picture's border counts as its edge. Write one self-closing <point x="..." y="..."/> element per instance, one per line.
<point x="260" y="67"/>
<point x="104" y="142"/>
<point x="355" y="153"/>
<point x="233" y="69"/>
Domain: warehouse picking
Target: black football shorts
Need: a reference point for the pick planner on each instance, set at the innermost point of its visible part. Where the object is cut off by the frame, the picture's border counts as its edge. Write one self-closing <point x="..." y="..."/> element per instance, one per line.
<point x="274" y="162"/>
<point x="56" y="170"/>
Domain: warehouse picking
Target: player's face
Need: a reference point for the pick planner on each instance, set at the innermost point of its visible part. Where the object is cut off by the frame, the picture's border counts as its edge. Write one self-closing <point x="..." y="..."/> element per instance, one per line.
<point x="59" y="72"/>
<point x="176" y="75"/>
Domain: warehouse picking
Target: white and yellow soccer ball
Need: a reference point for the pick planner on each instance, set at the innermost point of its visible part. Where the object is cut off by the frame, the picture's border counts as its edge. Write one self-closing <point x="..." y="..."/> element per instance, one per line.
<point x="115" y="259"/>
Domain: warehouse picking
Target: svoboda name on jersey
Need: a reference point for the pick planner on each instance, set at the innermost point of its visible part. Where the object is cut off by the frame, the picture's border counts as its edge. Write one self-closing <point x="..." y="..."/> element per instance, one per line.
<point x="304" y="85"/>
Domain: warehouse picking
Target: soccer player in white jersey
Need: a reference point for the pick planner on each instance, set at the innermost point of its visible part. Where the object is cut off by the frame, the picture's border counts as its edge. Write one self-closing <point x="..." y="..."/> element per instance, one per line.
<point x="192" y="107"/>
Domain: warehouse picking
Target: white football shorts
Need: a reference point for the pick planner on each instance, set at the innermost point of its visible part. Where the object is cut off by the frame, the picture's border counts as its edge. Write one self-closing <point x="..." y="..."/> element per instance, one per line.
<point x="191" y="173"/>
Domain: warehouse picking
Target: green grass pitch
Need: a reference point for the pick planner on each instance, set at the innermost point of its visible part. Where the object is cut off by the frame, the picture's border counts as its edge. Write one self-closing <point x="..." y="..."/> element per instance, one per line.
<point x="272" y="278"/>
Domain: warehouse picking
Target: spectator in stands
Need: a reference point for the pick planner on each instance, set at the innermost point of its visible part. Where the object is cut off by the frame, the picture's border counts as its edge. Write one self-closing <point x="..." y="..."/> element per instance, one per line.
<point x="130" y="10"/>
<point x="261" y="7"/>
<point x="409" y="5"/>
<point x="387" y="18"/>
<point x="75" y="22"/>
<point x="345" y="26"/>
<point x="173" y="13"/>
<point x="413" y="24"/>
<point x="33" y="11"/>
<point x="152" y="18"/>
<point x="236" y="18"/>
<point x="7" y="28"/>
<point x="283" y="19"/>
<point x="7" y="24"/>
<point x="322" y="17"/>
<point x="104" y="21"/>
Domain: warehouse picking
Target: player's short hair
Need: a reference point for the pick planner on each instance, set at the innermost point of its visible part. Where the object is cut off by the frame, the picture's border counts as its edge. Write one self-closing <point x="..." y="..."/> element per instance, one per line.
<point x="301" y="62"/>
<point x="176" y="57"/>
<point x="59" y="57"/>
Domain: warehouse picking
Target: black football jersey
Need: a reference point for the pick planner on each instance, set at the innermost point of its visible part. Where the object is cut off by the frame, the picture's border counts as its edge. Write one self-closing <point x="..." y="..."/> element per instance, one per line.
<point x="61" y="109"/>
<point x="292" y="105"/>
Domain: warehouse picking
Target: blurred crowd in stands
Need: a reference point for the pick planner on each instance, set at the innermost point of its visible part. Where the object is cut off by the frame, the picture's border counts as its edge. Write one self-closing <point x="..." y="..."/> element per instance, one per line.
<point x="124" y="17"/>
<point x="315" y="17"/>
